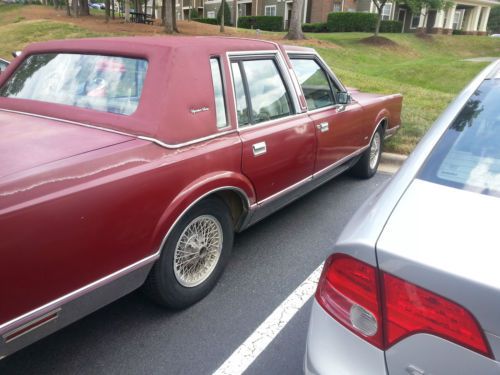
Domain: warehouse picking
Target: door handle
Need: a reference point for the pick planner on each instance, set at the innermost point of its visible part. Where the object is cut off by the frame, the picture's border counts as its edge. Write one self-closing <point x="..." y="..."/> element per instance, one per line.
<point x="259" y="148"/>
<point x="323" y="127"/>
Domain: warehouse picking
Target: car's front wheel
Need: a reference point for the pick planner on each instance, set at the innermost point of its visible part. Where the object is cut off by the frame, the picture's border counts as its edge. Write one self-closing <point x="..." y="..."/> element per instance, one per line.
<point x="367" y="165"/>
<point x="193" y="256"/>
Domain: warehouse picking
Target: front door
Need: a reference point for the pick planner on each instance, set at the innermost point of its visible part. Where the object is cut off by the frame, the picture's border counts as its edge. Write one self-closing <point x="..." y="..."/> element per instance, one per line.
<point x="335" y="124"/>
<point x="278" y="145"/>
<point x="402" y="18"/>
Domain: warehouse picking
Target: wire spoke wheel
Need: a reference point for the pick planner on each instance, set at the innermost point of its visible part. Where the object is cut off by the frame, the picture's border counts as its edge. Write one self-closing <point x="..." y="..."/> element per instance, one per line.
<point x="375" y="150"/>
<point x="198" y="251"/>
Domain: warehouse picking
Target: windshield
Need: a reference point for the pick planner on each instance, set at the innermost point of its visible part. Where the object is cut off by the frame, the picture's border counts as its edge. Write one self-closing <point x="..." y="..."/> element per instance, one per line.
<point x="468" y="155"/>
<point x="102" y="83"/>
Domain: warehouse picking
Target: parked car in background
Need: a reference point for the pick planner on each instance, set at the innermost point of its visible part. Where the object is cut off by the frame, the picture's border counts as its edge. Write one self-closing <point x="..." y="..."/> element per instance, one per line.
<point x="131" y="161"/>
<point x="3" y="64"/>
<point x="95" y="5"/>
<point x="413" y="285"/>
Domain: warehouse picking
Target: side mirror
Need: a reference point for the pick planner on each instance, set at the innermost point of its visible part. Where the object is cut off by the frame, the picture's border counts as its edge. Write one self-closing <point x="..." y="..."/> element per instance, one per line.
<point x="343" y="98"/>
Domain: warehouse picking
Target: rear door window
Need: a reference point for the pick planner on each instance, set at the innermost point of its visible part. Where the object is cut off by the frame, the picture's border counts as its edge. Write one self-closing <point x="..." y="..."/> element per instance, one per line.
<point x="260" y="91"/>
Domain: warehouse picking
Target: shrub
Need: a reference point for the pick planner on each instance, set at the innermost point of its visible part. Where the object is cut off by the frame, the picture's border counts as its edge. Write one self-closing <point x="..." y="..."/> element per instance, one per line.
<point x="319" y="27"/>
<point x="194" y="14"/>
<point x="269" y="23"/>
<point x="391" y="26"/>
<point x="211" y="21"/>
<point x="457" y="32"/>
<point x="227" y="15"/>
<point x="351" y="21"/>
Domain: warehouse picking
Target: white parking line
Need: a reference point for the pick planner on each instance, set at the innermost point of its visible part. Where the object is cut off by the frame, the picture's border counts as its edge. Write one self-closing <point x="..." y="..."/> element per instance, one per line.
<point x="257" y="342"/>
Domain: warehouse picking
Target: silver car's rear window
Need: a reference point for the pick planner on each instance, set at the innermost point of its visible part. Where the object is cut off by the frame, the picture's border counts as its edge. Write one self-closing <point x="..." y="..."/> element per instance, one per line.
<point x="103" y="83"/>
<point x="468" y="155"/>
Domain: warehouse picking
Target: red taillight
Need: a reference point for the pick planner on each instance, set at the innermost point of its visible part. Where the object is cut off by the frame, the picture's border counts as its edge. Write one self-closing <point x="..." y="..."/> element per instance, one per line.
<point x="410" y="309"/>
<point x="349" y="290"/>
<point x="346" y="286"/>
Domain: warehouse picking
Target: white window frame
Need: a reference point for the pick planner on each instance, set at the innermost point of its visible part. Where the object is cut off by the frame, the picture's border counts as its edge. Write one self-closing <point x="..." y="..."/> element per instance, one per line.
<point x="337" y="7"/>
<point x="211" y="14"/>
<point x="458" y="19"/>
<point x="270" y="8"/>
<point x="385" y="16"/>
<point x="411" y="21"/>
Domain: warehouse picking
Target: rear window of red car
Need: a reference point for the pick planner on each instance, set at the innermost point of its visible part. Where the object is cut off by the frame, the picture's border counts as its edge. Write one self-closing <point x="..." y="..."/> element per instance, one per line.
<point x="102" y="83"/>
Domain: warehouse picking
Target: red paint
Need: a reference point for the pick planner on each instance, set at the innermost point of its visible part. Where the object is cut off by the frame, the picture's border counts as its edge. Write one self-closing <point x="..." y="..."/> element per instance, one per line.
<point x="77" y="203"/>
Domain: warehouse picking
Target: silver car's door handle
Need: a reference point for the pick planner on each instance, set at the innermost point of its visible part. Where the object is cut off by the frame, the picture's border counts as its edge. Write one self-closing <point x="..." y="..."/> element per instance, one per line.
<point x="323" y="127"/>
<point x="259" y="148"/>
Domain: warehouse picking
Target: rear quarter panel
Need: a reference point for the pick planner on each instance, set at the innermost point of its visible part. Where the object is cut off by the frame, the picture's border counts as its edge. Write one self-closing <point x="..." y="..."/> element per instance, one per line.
<point x="72" y="222"/>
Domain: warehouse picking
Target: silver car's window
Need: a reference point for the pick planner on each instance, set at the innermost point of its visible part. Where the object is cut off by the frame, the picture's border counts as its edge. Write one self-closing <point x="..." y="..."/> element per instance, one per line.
<point x="468" y="155"/>
<point x="103" y="83"/>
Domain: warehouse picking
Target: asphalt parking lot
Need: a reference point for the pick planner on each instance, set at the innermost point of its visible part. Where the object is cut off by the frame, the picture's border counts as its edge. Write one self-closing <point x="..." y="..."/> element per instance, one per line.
<point x="134" y="336"/>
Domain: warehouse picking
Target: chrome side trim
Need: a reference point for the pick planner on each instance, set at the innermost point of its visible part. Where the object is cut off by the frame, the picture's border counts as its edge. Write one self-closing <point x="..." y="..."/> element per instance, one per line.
<point x="76" y="293"/>
<point x="390" y="132"/>
<point x="284" y="191"/>
<point x="69" y="122"/>
<point x="144" y="138"/>
<point x="184" y="144"/>
<point x="31" y="326"/>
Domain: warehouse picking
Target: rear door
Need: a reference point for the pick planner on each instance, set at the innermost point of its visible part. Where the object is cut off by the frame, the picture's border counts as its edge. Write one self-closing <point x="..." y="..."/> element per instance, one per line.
<point x="279" y="144"/>
<point x="338" y="129"/>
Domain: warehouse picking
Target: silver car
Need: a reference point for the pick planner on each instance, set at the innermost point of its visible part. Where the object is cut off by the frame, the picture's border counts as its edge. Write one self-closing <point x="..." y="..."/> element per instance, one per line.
<point x="413" y="286"/>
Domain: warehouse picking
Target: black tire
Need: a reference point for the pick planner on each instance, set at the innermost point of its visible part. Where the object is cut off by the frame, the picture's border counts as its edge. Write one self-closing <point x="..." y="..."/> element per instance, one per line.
<point x="364" y="167"/>
<point x="165" y="282"/>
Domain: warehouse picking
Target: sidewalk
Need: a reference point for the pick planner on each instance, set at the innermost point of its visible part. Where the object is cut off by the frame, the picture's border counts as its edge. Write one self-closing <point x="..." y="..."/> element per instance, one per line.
<point x="390" y="163"/>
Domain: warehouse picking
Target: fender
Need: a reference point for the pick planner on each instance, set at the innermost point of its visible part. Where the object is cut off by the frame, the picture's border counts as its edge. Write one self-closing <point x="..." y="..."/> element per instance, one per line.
<point x="196" y="191"/>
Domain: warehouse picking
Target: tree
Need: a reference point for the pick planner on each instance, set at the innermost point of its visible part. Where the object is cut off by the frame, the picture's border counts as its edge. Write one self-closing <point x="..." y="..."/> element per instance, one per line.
<point x="168" y="20"/>
<point x="379" y="4"/>
<point x="224" y="15"/>
<point x="127" y="11"/>
<point x="174" y="16"/>
<point x="295" y="29"/>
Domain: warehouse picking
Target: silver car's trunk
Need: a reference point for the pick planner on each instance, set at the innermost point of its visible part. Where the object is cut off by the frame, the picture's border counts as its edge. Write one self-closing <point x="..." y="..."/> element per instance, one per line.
<point x="435" y="239"/>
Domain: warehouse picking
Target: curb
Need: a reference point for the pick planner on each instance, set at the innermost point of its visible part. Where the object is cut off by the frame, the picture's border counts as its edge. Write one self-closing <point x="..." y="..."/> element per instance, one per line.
<point x="390" y="162"/>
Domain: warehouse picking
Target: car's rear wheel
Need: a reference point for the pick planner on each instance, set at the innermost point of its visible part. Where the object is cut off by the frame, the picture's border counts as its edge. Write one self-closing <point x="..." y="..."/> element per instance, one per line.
<point x="367" y="165"/>
<point x="193" y="257"/>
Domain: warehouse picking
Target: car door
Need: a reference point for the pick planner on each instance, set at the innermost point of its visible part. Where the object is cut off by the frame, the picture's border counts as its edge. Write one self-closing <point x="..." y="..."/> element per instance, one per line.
<point x="338" y="127"/>
<point x="279" y="145"/>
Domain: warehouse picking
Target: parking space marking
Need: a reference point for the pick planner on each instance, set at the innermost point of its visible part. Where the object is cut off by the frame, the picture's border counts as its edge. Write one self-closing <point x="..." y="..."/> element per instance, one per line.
<point x="258" y="341"/>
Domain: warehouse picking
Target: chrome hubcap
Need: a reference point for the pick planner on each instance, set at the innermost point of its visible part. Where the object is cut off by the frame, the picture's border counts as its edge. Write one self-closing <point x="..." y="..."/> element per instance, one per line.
<point x="198" y="251"/>
<point x="375" y="150"/>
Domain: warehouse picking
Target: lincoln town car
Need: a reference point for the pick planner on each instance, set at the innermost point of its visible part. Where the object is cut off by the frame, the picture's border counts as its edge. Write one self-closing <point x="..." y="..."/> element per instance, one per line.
<point x="131" y="162"/>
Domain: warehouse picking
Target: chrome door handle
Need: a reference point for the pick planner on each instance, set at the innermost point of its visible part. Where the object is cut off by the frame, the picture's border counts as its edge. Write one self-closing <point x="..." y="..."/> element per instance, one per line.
<point x="323" y="127"/>
<point x="259" y="148"/>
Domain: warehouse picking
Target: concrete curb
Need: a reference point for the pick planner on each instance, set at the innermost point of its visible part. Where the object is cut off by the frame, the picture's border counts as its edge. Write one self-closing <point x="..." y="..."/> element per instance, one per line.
<point x="390" y="162"/>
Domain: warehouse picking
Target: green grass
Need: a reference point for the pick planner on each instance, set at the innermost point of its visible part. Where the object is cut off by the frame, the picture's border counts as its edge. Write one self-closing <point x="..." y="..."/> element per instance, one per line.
<point x="429" y="73"/>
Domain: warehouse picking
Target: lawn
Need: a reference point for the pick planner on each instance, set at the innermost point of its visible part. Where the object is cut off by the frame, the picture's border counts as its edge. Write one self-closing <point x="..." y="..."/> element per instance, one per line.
<point x="428" y="72"/>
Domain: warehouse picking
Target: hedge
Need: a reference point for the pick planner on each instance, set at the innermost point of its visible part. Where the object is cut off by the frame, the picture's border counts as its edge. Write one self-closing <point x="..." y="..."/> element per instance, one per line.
<point x="269" y="23"/>
<point x="211" y="21"/>
<point x="351" y="21"/>
<point x="391" y="26"/>
<point x="319" y="27"/>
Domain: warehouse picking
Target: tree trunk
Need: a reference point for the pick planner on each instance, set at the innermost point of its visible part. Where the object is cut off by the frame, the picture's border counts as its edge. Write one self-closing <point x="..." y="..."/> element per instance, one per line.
<point x="127" y="11"/>
<point x="84" y="10"/>
<point x="153" y="11"/>
<point x="113" y="9"/>
<point x="107" y="6"/>
<point x="295" y="30"/>
<point x="223" y="5"/>
<point x="169" y="27"/>
<point x="235" y="11"/>
<point x="174" y="16"/>
<point x="75" y="8"/>
<point x="377" y="26"/>
<point x="163" y="11"/>
<point x="68" y="8"/>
